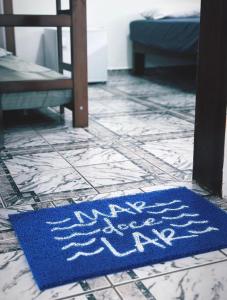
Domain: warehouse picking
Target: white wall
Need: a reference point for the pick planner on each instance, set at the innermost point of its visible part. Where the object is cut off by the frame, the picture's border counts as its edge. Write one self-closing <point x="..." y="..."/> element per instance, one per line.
<point x="29" y="41"/>
<point x="114" y="15"/>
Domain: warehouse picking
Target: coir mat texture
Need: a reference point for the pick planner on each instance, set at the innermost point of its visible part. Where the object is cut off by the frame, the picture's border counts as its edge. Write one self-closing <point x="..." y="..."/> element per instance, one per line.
<point x="94" y="238"/>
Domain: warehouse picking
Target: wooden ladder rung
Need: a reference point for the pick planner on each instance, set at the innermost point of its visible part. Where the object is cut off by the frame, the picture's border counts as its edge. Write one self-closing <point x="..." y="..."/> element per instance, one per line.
<point x="35" y="20"/>
<point x="64" y="12"/>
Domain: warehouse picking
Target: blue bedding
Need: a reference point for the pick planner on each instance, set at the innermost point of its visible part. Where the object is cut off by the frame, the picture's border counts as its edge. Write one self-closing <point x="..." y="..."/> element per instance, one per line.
<point x="177" y="35"/>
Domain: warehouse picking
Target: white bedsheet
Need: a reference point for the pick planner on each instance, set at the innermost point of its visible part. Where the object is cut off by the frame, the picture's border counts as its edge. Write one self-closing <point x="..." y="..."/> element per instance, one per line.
<point x="184" y="10"/>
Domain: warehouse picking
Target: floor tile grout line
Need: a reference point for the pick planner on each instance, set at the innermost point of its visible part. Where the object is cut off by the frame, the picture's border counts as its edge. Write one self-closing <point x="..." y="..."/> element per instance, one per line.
<point x="143" y="289"/>
<point x="20" y="206"/>
<point x="152" y="103"/>
<point x="75" y="167"/>
<point x="186" y="134"/>
<point x="115" y="285"/>
<point x="42" y="170"/>
<point x="135" y="98"/>
<point x="152" y="165"/>
<point x="121" y="185"/>
<point x="171" y="272"/>
<point x="181" y="117"/>
<point x="107" y="129"/>
<point x="80" y="173"/>
<point x="131" y="142"/>
<point x="102" y="115"/>
<point x="160" y="138"/>
<point x="223" y="252"/>
<point x="164" y="163"/>
<point x="72" y="166"/>
<point x="97" y="164"/>
<point x="84" y="293"/>
<point x="2" y="202"/>
<point x="135" y="137"/>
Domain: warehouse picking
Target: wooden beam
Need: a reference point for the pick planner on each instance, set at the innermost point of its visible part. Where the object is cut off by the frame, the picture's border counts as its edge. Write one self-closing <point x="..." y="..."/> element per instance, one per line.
<point x="1" y="126"/>
<point x="35" y="85"/>
<point x="59" y="39"/>
<point x="210" y="119"/>
<point x="79" y="62"/>
<point x="9" y="31"/>
<point x="143" y="49"/>
<point x="35" y="20"/>
<point x="67" y="67"/>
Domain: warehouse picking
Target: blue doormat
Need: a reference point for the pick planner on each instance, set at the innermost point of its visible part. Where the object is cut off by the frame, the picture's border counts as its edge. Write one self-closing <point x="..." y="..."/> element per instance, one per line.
<point x="89" y="239"/>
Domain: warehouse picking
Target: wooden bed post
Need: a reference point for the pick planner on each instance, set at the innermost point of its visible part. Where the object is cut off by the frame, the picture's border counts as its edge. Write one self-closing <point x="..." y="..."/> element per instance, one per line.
<point x="138" y="61"/>
<point x="79" y="62"/>
<point x="211" y="96"/>
<point x="60" y="48"/>
<point x="1" y="126"/>
<point x="59" y="39"/>
<point x="9" y="31"/>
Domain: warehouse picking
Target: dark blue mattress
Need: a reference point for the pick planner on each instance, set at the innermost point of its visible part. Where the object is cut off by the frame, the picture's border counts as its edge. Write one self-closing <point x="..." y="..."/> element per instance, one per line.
<point x="178" y="35"/>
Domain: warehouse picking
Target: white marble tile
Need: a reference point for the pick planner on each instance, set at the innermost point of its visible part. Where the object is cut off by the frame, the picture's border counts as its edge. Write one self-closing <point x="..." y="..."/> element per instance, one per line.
<point x="16" y="281"/>
<point x="123" y="77"/>
<point x="176" y="100"/>
<point x="18" y="139"/>
<point x="167" y="267"/>
<point x="7" y="235"/>
<point x="176" y="152"/>
<point x="5" y="212"/>
<point x="97" y="92"/>
<point x="9" y="245"/>
<point x="36" y="162"/>
<point x="145" y="124"/>
<point x="146" y="89"/>
<point x="192" y="186"/>
<point x="65" y="136"/>
<point x="116" y="105"/>
<point x="207" y="282"/>
<point x="19" y="200"/>
<point x="46" y="182"/>
<point x="114" y="194"/>
<point x="93" y="197"/>
<point x="113" y="173"/>
<point x="179" y="264"/>
<point x="92" y="156"/>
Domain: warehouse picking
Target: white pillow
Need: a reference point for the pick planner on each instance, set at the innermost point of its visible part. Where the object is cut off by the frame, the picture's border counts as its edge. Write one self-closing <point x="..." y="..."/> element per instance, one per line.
<point x="172" y="12"/>
<point x="4" y="52"/>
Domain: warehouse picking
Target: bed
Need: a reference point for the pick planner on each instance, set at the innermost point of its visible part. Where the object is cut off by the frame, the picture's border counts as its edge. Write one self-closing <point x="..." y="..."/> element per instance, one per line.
<point x="13" y="68"/>
<point x="24" y="85"/>
<point x="173" y="36"/>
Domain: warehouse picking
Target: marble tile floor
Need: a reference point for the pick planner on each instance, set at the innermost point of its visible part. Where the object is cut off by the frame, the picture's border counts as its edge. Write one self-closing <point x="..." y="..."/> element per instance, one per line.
<point x="140" y="139"/>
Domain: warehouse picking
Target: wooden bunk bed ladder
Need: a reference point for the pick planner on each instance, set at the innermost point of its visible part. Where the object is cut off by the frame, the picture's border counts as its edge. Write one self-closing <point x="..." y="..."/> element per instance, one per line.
<point x="75" y="18"/>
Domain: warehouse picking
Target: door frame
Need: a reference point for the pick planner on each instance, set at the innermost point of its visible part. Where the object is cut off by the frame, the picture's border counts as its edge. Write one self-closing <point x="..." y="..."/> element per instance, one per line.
<point x="211" y="98"/>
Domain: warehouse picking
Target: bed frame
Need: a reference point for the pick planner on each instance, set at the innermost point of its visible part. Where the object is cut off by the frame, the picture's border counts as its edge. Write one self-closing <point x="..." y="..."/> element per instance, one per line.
<point x="75" y="18"/>
<point x="139" y="56"/>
